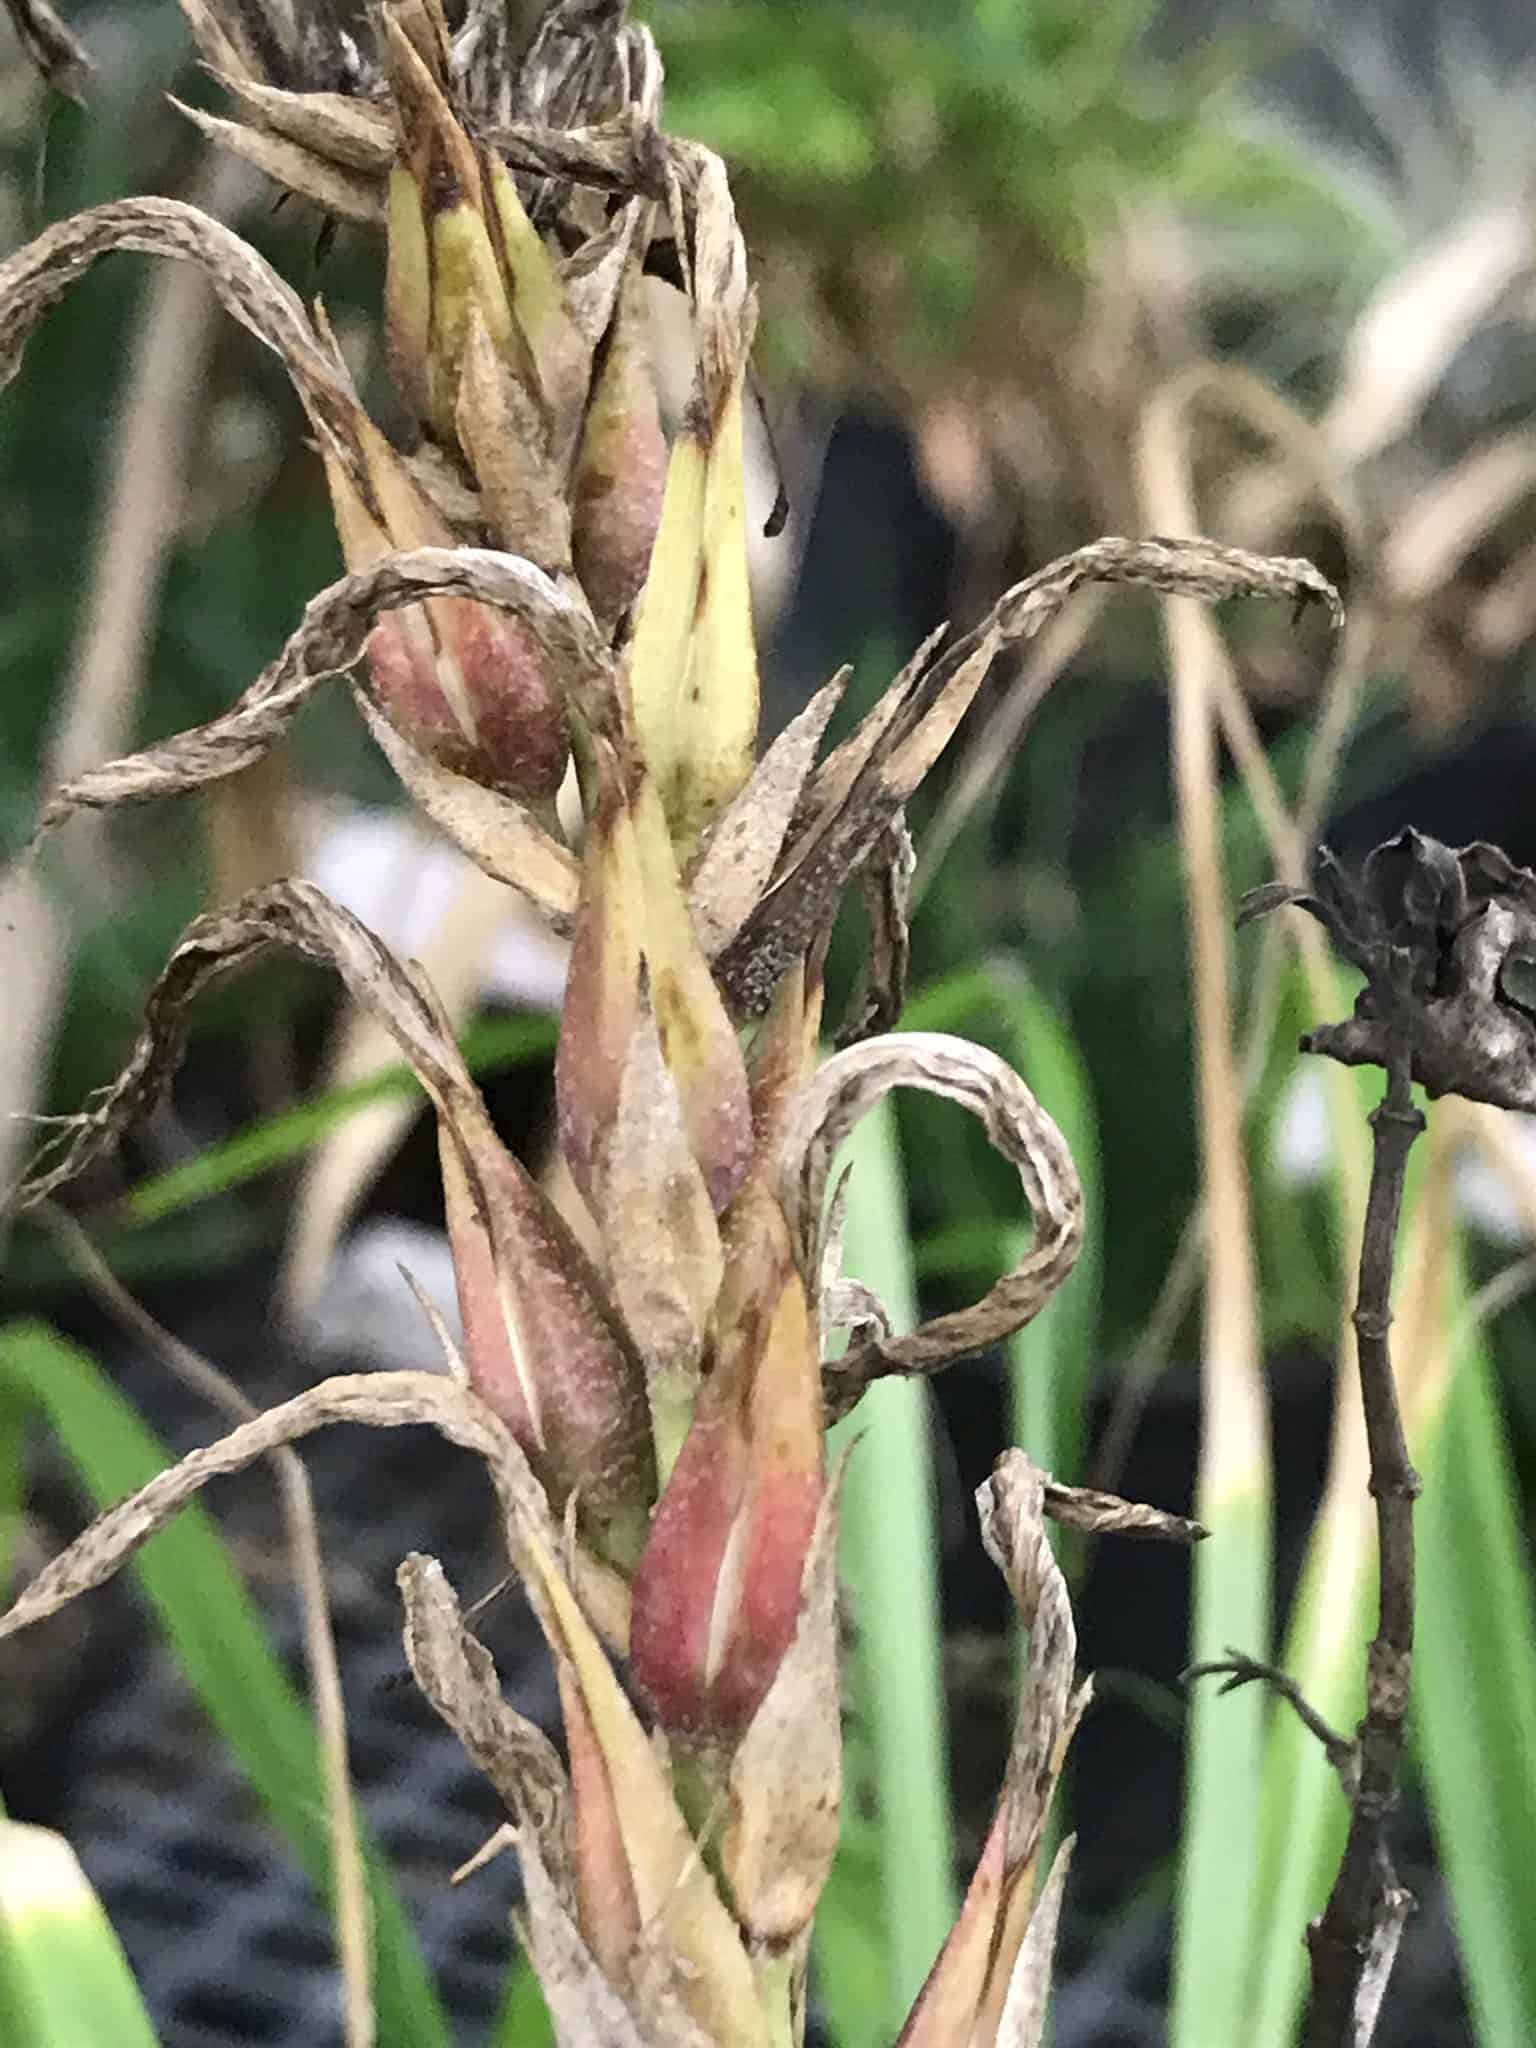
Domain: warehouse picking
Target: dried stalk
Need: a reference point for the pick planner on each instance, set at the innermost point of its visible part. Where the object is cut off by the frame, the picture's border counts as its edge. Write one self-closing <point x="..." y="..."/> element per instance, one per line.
<point x="1353" y="1942"/>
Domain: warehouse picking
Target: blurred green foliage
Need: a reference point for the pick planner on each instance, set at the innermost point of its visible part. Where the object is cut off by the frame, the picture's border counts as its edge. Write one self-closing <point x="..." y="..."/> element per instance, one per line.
<point x="910" y="173"/>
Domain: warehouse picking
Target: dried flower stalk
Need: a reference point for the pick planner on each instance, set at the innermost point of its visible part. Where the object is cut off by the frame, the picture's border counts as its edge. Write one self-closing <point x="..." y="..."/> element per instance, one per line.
<point x="538" y="578"/>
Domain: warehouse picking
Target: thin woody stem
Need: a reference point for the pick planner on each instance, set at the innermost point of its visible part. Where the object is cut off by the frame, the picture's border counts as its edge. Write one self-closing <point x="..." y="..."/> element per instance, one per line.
<point x="1366" y="1899"/>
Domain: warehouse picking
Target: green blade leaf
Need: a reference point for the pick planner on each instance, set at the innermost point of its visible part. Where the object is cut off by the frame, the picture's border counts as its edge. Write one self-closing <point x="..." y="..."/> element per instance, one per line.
<point x="221" y="1643"/>
<point x="64" y="1980"/>
<point x="489" y="1046"/>
<point x="890" y="1566"/>
<point x="1475" y="1694"/>
<point x="1053" y="1360"/>
<point x="524" y="2020"/>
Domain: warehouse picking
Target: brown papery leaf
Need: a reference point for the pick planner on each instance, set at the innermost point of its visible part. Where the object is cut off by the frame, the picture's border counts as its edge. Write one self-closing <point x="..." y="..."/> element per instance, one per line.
<point x="994" y="1969"/>
<point x="1105" y="1514"/>
<point x="345" y="130"/>
<point x="612" y="156"/>
<point x="381" y="1400"/>
<point x="871" y="776"/>
<point x="248" y="288"/>
<point x="885" y="882"/>
<point x="842" y="1092"/>
<point x="1022" y="2023"/>
<point x="292" y="914"/>
<point x="1011" y="1505"/>
<point x="331" y="638"/>
<point x="349" y="194"/>
<point x="458" y="1675"/>
<point x="501" y="836"/>
<point x="586" y="2009"/>
<point x="746" y="839"/>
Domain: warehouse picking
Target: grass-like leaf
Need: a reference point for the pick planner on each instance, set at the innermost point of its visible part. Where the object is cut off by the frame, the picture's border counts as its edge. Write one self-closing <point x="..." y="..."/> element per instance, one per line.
<point x="1052" y="1360"/>
<point x="524" y="2020"/>
<point x="222" y="1647"/>
<point x="890" y="1566"/>
<point x="64" y="1980"/>
<point x="490" y="1045"/>
<point x="1475" y="1694"/>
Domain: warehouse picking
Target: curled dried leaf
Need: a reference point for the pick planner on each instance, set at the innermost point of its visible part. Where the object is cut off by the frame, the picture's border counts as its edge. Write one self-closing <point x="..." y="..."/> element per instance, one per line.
<point x="845" y="1089"/>
<point x="867" y="780"/>
<point x="1105" y="1514"/>
<point x="292" y="914"/>
<point x="458" y="1675"/>
<point x="331" y="638"/>
<point x="248" y="288"/>
<point x="381" y="1400"/>
<point x="1011" y="1505"/>
<point x="991" y="1981"/>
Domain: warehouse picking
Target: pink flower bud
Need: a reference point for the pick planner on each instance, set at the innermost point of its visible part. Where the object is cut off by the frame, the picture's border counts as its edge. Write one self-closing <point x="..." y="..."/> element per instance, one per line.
<point x="541" y="1348"/>
<point x="717" y="1594"/>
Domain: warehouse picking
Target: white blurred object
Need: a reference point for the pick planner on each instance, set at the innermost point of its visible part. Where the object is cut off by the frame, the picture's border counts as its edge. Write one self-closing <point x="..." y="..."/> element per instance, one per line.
<point x="403" y="880"/>
<point x="1303" y="1151"/>
<point x="474" y="937"/>
<point x="364" y="1310"/>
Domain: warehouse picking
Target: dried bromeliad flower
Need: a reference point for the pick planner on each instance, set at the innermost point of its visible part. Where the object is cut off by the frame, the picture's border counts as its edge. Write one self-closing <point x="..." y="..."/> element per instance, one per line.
<point x="1450" y="935"/>
<point x="538" y="576"/>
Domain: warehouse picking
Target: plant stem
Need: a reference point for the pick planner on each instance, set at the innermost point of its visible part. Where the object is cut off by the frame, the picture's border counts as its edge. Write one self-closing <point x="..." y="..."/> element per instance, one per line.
<point x="1352" y="1942"/>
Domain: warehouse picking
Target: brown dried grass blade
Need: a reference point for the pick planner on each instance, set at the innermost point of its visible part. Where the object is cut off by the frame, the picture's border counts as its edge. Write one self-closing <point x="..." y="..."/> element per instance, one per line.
<point x="458" y="1675"/>
<point x="1106" y="1514"/>
<point x="343" y="129"/>
<point x="295" y="915"/>
<point x="840" y="1094"/>
<point x="330" y="639"/>
<point x="382" y="1400"/>
<point x="249" y="289"/>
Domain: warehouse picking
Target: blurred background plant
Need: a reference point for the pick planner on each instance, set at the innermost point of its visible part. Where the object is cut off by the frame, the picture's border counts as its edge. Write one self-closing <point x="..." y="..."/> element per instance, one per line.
<point x="1030" y="273"/>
